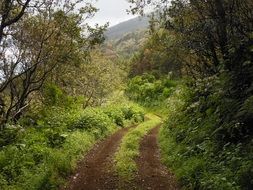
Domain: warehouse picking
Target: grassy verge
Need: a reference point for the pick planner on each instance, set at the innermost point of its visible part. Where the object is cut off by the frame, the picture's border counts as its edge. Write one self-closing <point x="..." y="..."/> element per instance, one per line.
<point x="42" y="155"/>
<point x="129" y="148"/>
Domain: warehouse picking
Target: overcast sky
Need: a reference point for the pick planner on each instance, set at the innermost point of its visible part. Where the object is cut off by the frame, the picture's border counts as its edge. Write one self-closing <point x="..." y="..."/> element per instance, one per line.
<point x="112" y="11"/>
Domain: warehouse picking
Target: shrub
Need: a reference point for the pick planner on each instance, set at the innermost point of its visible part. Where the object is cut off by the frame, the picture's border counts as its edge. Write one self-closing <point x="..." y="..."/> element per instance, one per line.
<point x="148" y="90"/>
<point x="201" y="140"/>
<point x="52" y="94"/>
<point x="9" y="135"/>
<point x="94" y="121"/>
<point x="116" y="114"/>
<point x="133" y="112"/>
<point x="124" y="113"/>
<point x="43" y="155"/>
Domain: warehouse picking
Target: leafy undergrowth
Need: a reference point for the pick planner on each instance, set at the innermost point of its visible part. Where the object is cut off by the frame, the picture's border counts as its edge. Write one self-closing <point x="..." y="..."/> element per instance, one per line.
<point x="42" y="155"/>
<point x="150" y="91"/>
<point x="129" y="148"/>
<point x="204" y="151"/>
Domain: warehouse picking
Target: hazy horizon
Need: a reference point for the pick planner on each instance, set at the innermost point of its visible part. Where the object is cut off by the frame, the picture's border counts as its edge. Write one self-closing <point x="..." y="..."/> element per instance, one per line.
<point x="112" y="11"/>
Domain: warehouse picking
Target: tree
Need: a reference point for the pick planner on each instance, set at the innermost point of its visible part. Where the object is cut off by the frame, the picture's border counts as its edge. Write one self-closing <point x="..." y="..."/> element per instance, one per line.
<point x="11" y="12"/>
<point x="212" y="32"/>
<point x="93" y="80"/>
<point x="158" y="54"/>
<point x="216" y="38"/>
<point x="42" y="40"/>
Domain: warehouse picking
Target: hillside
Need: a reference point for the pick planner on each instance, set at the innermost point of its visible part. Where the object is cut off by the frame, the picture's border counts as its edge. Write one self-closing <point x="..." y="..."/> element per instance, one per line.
<point x="126" y="38"/>
<point x="132" y="25"/>
<point x="126" y="45"/>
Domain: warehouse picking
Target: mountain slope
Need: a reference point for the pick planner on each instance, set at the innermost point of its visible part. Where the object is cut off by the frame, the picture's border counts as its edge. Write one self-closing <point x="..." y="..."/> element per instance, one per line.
<point x="132" y="25"/>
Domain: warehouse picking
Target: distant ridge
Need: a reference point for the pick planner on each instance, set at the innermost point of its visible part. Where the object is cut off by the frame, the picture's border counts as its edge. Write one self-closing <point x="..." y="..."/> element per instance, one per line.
<point x="132" y="25"/>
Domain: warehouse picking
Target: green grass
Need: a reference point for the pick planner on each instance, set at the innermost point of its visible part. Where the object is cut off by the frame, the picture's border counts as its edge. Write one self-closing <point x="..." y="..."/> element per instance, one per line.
<point x="129" y="148"/>
<point x="43" y="155"/>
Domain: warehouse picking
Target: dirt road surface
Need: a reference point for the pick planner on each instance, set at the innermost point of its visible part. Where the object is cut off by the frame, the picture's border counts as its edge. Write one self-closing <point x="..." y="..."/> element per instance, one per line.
<point x="95" y="171"/>
<point x="151" y="173"/>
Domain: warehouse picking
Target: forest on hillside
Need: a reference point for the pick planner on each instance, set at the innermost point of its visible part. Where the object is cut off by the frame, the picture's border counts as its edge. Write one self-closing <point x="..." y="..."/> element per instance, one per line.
<point x="187" y="80"/>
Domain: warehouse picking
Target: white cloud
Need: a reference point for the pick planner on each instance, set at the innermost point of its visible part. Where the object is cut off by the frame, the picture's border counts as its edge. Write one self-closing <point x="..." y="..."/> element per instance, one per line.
<point x="112" y="11"/>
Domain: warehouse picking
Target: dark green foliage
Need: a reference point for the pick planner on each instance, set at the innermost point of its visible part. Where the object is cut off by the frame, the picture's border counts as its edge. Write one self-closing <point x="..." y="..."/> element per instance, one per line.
<point x="202" y="140"/>
<point x="158" y="55"/>
<point x="9" y="135"/>
<point x="54" y="96"/>
<point x="207" y="139"/>
<point x="54" y="138"/>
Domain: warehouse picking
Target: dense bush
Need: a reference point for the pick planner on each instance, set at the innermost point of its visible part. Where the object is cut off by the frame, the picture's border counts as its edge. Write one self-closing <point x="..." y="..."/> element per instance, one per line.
<point x="116" y="114"/>
<point x="53" y="95"/>
<point x="42" y="154"/>
<point x="133" y="112"/>
<point x="204" y="142"/>
<point x="148" y="90"/>
<point x="125" y="112"/>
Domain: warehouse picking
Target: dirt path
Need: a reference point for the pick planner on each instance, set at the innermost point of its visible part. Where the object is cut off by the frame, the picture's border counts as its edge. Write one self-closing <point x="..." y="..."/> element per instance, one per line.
<point x="94" y="172"/>
<point x="152" y="174"/>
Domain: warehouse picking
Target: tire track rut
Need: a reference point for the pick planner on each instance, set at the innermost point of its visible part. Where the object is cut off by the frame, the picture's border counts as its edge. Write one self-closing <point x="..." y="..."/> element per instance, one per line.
<point x="152" y="175"/>
<point x="95" y="172"/>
